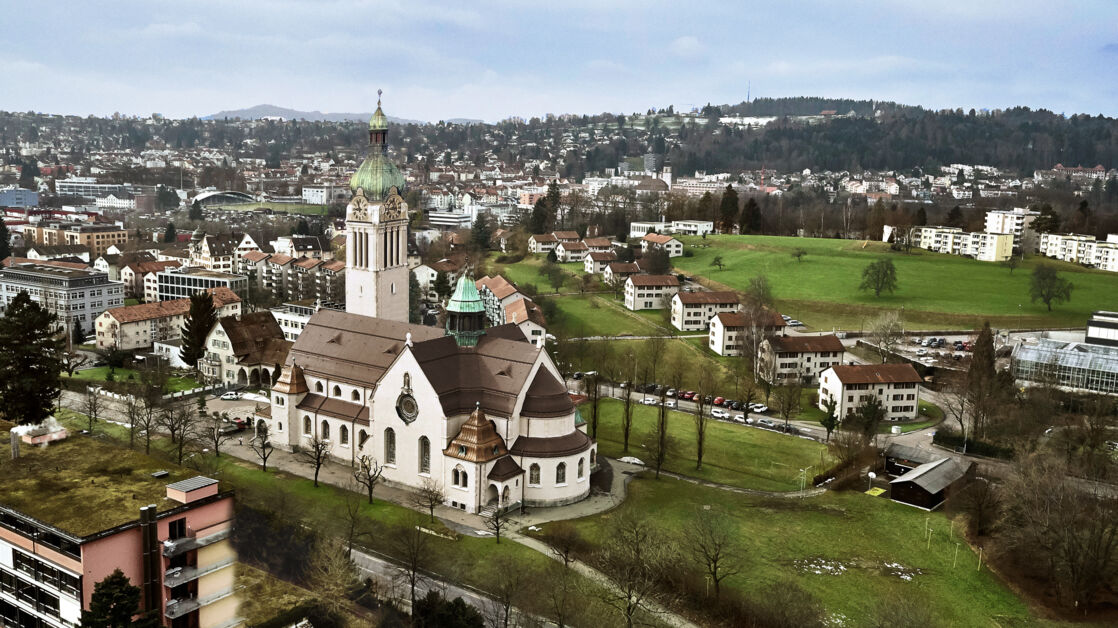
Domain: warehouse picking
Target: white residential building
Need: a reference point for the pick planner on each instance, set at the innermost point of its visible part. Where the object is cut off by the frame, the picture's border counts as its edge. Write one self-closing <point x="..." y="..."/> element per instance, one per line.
<point x="542" y="243"/>
<point x="896" y="386"/>
<point x="596" y="262"/>
<point x="692" y="311"/>
<point x="783" y="359"/>
<point x="658" y="241"/>
<point x="650" y="292"/>
<point x="72" y="292"/>
<point x="571" y="251"/>
<point x="984" y="247"/>
<point x="132" y="327"/>
<point x="728" y="331"/>
<point x="1018" y="222"/>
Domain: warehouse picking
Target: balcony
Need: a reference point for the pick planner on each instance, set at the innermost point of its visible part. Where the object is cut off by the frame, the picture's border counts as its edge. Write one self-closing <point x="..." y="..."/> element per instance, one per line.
<point x="178" y="607"/>
<point x="191" y="542"/>
<point x="181" y="575"/>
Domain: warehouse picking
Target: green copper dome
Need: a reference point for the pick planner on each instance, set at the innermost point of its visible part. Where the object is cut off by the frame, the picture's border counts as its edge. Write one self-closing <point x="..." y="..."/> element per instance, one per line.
<point x="466" y="298"/>
<point x="376" y="176"/>
<point x="465" y="313"/>
<point x="379" y="122"/>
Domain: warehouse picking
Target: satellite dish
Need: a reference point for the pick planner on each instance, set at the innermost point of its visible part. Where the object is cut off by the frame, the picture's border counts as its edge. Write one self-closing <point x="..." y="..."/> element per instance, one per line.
<point x="872" y="475"/>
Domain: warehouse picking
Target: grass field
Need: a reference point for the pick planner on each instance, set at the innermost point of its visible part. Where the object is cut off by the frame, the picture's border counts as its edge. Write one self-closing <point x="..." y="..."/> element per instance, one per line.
<point x="735" y="454"/>
<point x="936" y="290"/>
<point x="291" y="208"/>
<point x="600" y="315"/>
<point x="99" y="373"/>
<point x="853" y="552"/>
<point x="530" y="271"/>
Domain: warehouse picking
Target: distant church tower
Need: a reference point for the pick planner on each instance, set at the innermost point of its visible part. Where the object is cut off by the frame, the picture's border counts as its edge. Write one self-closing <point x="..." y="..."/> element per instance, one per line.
<point x="376" y="278"/>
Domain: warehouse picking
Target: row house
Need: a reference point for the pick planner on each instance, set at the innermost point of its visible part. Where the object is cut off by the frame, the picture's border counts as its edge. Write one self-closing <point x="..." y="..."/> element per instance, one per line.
<point x="729" y="331"/>
<point x="896" y="386"/>
<point x="615" y="272"/>
<point x="595" y="262"/>
<point x="650" y="292"/>
<point x="139" y="326"/>
<point x="692" y="311"/>
<point x="784" y="359"/>
<point x="653" y="241"/>
<point x="571" y="251"/>
<point x="1081" y="249"/>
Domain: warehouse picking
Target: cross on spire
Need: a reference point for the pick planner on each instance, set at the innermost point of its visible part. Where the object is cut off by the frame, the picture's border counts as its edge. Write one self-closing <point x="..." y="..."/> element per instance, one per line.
<point x="379" y="92"/>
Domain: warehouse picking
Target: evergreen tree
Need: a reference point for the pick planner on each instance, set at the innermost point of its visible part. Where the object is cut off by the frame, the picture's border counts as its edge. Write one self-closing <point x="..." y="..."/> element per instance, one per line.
<point x="196" y="210"/>
<point x="552" y="200"/>
<point x="1048" y="221"/>
<point x="659" y="262"/>
<point x="199" y="322"/>
<point x="728" y="209"/>
<point x="537" y="220"/>
<point x="955" y="217"/>
<point x="981" y="372"/>
<point x="921" y="218"/>
<point x="481" y="233"/>
<point x="5" y="241"/>
<point x="30" y="360"/>
<point x="166" y="198"/>
<point x="114" y="603"/>
<point x="415" y="295"/>
<point x="78" y="334"/>
<point x="442" y="285"/>
<point x="706" y="207"/>
<point x="301" y="228"/>
<point x="169" y="232"/>
<point x="27" y="174"/>
<point x="751" y="217"/>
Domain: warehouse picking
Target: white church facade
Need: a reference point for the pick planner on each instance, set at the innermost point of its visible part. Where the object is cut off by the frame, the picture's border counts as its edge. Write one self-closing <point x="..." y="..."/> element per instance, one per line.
<point x="482" y="412"/>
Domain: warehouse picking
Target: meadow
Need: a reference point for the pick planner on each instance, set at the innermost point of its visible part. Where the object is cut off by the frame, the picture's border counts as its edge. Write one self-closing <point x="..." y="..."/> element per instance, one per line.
<point x="934" y="290"/>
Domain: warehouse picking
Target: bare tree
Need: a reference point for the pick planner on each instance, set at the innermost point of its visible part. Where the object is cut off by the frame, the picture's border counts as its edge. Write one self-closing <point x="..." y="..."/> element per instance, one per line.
<point x="134" y="414"/>
<point x="561" y="592"/>
<point x="566" y="542"/>
<point x="710" y="543"/>
<point x="638" y="559"/>
<point x="592" y="385"/>
<point x="701" y="418"/>
<point x="92" y="405"/>
<point x="428" y="496"/>
<point x="261" y="446"/>
<point x="788" y="399"/>
<point x="499" y="520"/>
<point x="332" y="575"/>
<point x="412" y="549"/>
<point x="180" y="421"/>
<point x="214" y="431"/>
<point x="758" y="327"/>
<point x="847" y="445"/>
<point x="507" y="586"/>
<point x="886" y="332"/>
<point x="151" y="409"/>
<point x="659" y="446"/>
<point x="73" y="360"/>
<point x="315" y="453"/>
<point x="367" y="474"/>
<point x="955" y="400"/>
<point x="353" y="524"/>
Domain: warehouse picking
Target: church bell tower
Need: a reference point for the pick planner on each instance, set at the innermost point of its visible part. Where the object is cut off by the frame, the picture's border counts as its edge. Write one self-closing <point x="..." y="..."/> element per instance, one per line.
<point x="377" y="233"/>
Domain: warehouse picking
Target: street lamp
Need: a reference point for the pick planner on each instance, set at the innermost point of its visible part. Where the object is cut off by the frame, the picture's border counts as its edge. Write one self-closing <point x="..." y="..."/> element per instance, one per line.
<point x="871" y="476"/>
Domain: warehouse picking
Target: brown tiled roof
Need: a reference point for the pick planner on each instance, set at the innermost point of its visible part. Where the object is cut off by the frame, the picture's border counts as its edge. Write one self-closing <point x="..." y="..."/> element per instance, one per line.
<point x="806" y="344"/>
<point x="706" y="298"/>
<point x="8" y="262"/>
<point x="654" y="280"/>
<point x="504" y="469"/>
<point x="574" y="246"/>
<point x="546" y="397"/>
<point x="353" y="348"/>
<point x="557" y="447"/>
<point x="255" y="256"/>
<point x="337" y="408"/>
<point x="280" y="260"/>
<point x="143" y="268"/>
<point x="256" y="338"/>
<point x="222" y="296"/>
<point x="603" y="256"/>
<point x="657" y="238"/>
<point x="291" y="381"/>
<point x="877" y="374"/>
<point x="544" y="237"/>
<point x="596" y="242"/>
<point x="334" y="266"/>
<point x="565" y="235"/>
<point x="622" y="268"/>
<point x="307" y="262"/>
<point x="498" y="285"/>
<point x="521" y="310"/>
<point x="737" y="319"/>
<point x="444" y="266"/>
<point x="477" y="440"/>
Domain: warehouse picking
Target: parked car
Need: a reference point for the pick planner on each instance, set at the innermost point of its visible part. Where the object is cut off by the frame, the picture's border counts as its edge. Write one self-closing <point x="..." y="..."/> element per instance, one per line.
<point x="769" y="423"/>
<point x="577" y="375"/>
<point x="736" y="405"/>
<point x="708" y="399"/>
<point x="624" y="385"/>
<point x="788" y="429"/>
<point x="689" y="395"/>
<point x="786" y="317"/>
<point x="231" y="396"/>
<point x="649" y="401"/>
<point x="719" y="413"/>
<point x="718" y="400"/>
<point x="670" y="403"/>
<point x="740" y="418"/>
<point x="670" y="393"/>
<point x="795" y="323"/>
<point x="921" y="352"/>
<point x="761" y="408"/>
<point x="916" y="341"/>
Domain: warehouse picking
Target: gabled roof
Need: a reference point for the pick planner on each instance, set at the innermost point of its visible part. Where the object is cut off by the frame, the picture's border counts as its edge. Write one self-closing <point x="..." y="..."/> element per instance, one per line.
<point x="623" y="268"/>
<point x="738" y="319"/>
<point x="504" y="469"/>
<point x="597" y="242"/>
<point x="522" y="310"/>
<point x="937" y="475"/>
<point x="256" y="338"/>
<point x="877" y="374"/>
<point x="663" y="281"/>
<point x="543" y="237"/>
<point x="255" y="256"/>
<point x="337" y="408"/>
<point x="10" y="261"/>
<point x="222" y="296"/>
<point x="806" y="344"/>
<point x="657" y="238"/>
<point x="143" y="268"/>
<point x="574" y="246"/>
<point x="565" y="235"/>
<point x="707" y="298"/>
<point x="602" y="256"/>
<point x="913" y="454"/>
<point x="498" y="285"/>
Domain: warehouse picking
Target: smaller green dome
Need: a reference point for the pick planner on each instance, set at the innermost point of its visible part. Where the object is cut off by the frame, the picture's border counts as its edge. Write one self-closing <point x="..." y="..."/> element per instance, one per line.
<point x="379" y="121"/>
<point x="466" y="298"/>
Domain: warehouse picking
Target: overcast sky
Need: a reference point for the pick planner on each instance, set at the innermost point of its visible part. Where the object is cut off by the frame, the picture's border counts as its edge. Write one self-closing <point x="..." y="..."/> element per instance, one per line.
<point x="490" y="60"/>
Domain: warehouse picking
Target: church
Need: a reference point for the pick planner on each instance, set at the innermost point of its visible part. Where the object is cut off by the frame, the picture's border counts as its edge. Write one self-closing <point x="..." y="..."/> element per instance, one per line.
<point x="481" y="411"/>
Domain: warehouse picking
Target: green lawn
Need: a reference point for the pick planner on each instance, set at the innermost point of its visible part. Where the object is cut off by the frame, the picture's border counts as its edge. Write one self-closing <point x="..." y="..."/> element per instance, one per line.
<point x="291" y="208"/>
<point x="871" y="540"/>
<point x="530" y="271"/>
<point x="100" y="373"/>
<point x="596" y="315"/>
<point x="131" y="301"/>
<point x="735" y="454"/>
<point x="936" y="290"/>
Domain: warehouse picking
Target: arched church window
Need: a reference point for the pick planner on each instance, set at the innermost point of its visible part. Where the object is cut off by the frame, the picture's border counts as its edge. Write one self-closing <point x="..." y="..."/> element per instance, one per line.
<point x="561" y="473"/>
<point x="356" y="396"/>
<point x="389" y="446"/>
<point x="307" y="425"/>
<point x="343" y="436"/>
<point x="362" y="436"/>
<point x="424" y="455"/>
<point x="581" y="467"/>
<point x="534" y="474"/>
<point x="337" y="391"/>
<point x="325" y="433"/>
<point x="318" y="387"/>
<point x="464" y="478"/>
<point x="454" y="477"/>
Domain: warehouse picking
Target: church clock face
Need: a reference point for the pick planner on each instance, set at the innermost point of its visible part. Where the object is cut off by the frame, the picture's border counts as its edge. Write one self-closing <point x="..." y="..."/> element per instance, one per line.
<point x="407" y="408"/>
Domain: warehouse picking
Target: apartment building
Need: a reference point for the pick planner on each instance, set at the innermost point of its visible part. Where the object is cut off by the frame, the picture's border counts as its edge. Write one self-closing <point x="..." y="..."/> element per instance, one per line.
<point x="595" y="262"/>
<point x="496" y="294"/>
<point x="985" y="247"/>
<point x="897" y="386"/>
<point x="139" y="278"/>
<point x="179" y="283"/>
<point x="692" y="311"/>
<point x="167" y="532"/>
<point x="293" y="317"/>
<point x="97" y="238"/>
<point x="296" y="279"/>
<point x="571" y="251"/>
<point x="619" y="271"/>
<point x="650" y="292"/>
<point x="72" y="292"/>
<point x="639" y="229"/>
<point x="246" y="350"/>
<point x="140" y="326"/>
<point x="1018" y="222"/>
<point x="542" y="243"/>
<point x="1081" y="249"/>
<point x="783" y="359"/>
<point x="657" y="241"/>
<point x="528" y="316"/>
<point x="729" y="331"/>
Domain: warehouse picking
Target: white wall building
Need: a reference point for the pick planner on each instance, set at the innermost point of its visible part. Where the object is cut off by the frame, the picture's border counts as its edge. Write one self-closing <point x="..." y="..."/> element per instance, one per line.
<point x="897" y="386"/>
<point x="650" y="292"/>
<point x="1018" y="222"/>
<point x="692" y="311"/>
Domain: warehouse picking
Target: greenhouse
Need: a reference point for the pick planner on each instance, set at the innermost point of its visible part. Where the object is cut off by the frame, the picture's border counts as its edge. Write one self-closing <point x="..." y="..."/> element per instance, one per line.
<point x="1068" y="364"/>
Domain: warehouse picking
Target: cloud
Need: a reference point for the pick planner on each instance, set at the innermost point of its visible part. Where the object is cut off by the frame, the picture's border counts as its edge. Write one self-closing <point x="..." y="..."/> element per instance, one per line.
<point x="687" y="46"/>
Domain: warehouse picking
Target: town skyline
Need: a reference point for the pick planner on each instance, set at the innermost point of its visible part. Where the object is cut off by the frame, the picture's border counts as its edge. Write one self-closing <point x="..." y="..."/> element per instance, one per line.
<point x="435" y="62"/>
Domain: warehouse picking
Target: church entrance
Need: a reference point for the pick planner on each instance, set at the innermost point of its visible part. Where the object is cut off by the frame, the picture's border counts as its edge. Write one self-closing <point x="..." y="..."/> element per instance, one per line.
<point x="491" y="495"/>
<point x="254" y="379"/>
<point x="242" y="377"/>
<point x="505" y="496"/>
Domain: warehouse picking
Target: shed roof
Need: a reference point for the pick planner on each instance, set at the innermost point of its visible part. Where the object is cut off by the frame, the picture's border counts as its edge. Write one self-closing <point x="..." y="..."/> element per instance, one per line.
<point x="937" y="475"/>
